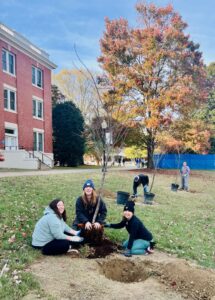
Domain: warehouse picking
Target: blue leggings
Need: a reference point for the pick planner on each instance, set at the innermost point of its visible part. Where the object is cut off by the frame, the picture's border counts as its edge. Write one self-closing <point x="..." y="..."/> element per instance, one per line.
<point x="139" y="246"/>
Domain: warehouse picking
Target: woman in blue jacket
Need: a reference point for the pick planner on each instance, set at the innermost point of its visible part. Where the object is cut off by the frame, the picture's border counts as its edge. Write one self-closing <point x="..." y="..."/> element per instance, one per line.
<point x="50" y="231"/>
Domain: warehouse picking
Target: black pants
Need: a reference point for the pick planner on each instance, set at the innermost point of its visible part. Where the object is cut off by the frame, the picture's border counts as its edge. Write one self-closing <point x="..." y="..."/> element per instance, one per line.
<point x="55" y="247"/>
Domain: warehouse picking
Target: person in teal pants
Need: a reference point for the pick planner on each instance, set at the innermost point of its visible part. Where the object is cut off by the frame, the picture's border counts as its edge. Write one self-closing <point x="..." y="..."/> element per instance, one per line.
<point x="140" y="239"/>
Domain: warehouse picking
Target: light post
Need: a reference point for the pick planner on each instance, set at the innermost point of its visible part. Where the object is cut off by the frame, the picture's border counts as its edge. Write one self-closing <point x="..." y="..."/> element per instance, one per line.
<point x="104" y="127"/>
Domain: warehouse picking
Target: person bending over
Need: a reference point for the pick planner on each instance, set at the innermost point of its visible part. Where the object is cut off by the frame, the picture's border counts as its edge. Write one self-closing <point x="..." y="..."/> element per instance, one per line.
<point x="140" y="239"/>
<point x="51" y="234"/>
<point x="143" y="180"/>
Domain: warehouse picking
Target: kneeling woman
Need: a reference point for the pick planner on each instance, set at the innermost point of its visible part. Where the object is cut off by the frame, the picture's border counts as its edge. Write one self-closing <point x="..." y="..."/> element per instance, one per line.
<point x="86" y="207"/>
<point x="140" y="238"/>
<point x="49" y="233"/>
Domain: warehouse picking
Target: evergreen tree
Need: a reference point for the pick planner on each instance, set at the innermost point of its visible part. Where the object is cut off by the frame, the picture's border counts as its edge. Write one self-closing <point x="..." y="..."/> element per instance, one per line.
<point x="68" y="140"/>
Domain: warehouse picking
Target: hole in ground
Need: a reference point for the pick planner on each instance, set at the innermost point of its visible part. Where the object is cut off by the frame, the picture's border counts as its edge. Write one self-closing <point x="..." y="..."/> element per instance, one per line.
<point x="124" y="271"/>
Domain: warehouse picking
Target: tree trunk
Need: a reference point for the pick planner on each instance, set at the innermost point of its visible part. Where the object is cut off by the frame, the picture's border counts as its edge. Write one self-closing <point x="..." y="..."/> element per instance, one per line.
<point x="150" y="153"/>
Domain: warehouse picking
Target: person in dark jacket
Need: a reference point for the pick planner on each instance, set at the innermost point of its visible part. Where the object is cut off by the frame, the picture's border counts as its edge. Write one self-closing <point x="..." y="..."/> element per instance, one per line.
<point x="143" y="180"/>
<point x="140" y="238"/>
<point x="86" y="206"/>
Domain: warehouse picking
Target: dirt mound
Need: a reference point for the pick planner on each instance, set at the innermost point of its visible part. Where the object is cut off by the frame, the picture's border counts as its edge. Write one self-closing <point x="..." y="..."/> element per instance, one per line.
<point x="103" y="249"/>
<point x="195" y="282"/>
<point x="156" y="276"/>
<point x="191" y="282"/>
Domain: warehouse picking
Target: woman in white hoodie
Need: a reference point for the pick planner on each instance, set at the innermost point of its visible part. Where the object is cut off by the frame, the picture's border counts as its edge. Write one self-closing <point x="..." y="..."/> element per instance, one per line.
<point x="50" y="231"/>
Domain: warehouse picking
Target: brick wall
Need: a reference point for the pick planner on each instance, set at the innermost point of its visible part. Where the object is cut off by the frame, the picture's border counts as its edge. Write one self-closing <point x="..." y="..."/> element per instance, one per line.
<point x="24" y="92"/>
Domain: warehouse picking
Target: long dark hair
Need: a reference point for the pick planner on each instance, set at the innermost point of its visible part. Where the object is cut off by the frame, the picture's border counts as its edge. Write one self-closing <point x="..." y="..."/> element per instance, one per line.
<point x="53" y="206"/>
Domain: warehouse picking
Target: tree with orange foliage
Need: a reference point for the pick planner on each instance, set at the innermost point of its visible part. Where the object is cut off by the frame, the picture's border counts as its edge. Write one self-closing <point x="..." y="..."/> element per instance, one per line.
<point x="155" y="67"/>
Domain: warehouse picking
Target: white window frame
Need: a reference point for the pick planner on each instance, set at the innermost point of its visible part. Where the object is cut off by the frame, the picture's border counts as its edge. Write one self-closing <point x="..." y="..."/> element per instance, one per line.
<point x="7" y="69"/>
<point x="35" y="78"/>
<point x="37" y="102"/>
<point x="10" y="90"/>
<point x="36" y="147"/>
<point x="13" y="127"/>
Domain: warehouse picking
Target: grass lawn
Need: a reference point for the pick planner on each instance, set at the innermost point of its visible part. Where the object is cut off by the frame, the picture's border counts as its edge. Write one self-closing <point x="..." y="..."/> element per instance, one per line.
<point x="182" y="223"/>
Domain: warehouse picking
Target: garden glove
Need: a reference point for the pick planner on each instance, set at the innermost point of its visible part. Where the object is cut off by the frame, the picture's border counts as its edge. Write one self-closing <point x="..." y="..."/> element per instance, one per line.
<point x="78" y="232"/>
<point x="127" y="253"/>
<point x="76" y="239"/>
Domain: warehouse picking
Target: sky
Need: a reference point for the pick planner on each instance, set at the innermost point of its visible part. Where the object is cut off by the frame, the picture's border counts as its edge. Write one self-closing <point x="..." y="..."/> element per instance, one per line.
<point x="57" y="25"/>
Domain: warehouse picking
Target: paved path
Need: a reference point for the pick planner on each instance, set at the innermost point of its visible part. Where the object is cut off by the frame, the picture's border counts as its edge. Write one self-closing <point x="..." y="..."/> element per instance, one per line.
<point x="61" y="171"/>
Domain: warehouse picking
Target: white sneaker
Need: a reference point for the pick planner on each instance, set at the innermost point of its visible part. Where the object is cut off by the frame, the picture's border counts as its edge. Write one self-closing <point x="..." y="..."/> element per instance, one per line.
<point x="75" y="251"/>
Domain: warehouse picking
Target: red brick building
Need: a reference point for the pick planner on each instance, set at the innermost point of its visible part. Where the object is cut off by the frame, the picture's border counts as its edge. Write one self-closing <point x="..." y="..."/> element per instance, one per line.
<point x="25" y="95"/>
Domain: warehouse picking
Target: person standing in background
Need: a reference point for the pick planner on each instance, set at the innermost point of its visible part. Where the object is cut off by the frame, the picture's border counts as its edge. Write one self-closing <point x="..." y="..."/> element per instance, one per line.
<point x="185" y="173"/>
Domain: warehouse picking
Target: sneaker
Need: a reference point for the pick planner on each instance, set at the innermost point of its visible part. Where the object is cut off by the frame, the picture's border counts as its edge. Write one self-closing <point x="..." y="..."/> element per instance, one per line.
<point x="149" y="250"/>
<point x="73" y="251"/>
<point x="152" y="245"/>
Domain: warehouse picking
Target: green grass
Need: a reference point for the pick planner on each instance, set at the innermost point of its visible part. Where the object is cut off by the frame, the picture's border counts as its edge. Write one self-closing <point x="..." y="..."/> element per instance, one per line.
<point x="182" y="223"/>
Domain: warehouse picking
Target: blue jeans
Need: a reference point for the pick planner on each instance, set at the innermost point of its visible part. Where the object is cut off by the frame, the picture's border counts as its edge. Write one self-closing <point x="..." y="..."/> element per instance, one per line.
<point x="139" y="246"/>
<point x="184" y="182"/>
<point x="145" y="189"/>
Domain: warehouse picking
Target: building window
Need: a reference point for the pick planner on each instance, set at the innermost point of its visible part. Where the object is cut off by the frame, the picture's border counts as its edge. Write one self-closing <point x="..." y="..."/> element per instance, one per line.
<point x="8" y="62"/>
<point x="38" y="141"/>
<point x="37" y="109"/>
<point x="37" y="77"/>
<point x="9" y="100"/>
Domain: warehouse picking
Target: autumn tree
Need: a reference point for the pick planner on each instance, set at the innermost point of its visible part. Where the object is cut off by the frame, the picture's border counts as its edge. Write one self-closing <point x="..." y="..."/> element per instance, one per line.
<point x="77" y="87"/>
<point x="207" y="113"/>
<point x="155" y="67"/>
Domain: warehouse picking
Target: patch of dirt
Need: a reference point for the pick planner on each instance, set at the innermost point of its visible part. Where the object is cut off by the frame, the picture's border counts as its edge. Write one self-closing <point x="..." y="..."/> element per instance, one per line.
<point x="158" y="276"/>
<point x="194" y="191"/>
<point x="107" y="194"/>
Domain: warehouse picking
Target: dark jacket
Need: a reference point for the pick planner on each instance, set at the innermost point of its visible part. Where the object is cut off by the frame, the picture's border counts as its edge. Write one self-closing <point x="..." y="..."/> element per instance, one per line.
<point x="85" y="213"/>
<point x="135" y="228"/>
<point x="143" y="179"/>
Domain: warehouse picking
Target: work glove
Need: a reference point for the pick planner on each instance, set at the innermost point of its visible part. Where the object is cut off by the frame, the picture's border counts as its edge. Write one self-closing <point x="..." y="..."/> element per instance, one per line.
<point x="76" y="239"/>
<point x="127" y="253"/>
<point x="78" y="232"/>
<point x="107" y="225"/>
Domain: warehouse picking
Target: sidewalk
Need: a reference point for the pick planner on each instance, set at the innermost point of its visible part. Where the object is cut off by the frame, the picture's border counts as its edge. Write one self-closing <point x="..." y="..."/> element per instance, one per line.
<point x="18" y="173"/>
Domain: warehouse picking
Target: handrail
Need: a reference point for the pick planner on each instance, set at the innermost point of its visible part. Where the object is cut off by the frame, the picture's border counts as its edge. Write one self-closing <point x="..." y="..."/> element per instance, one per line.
<point x="32" y="153"/>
